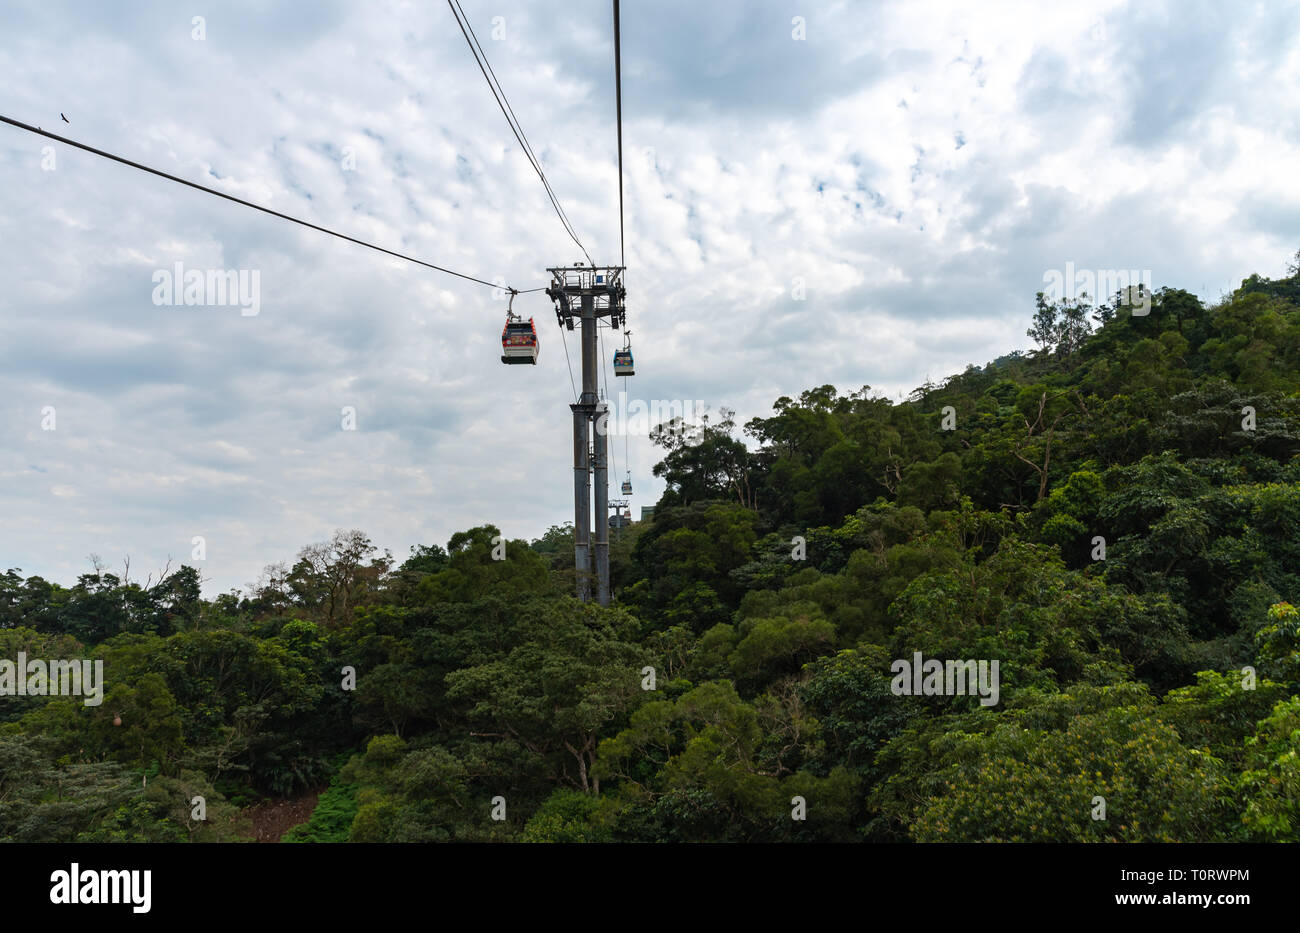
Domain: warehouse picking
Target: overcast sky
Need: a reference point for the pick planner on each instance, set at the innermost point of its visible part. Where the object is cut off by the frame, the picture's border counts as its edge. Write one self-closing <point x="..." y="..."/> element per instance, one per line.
<point x="918" y="166"/>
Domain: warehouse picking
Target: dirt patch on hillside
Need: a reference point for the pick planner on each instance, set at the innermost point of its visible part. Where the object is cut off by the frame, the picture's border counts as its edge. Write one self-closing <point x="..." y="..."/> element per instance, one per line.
<point x="273" y="819"/>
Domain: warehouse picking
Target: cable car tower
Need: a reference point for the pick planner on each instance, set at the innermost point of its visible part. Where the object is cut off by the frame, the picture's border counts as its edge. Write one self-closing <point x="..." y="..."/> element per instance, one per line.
<point x="586" y="294"/>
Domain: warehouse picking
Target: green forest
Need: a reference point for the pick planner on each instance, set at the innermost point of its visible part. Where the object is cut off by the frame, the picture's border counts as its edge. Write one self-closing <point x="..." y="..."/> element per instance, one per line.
<point x="1114" y="518"/>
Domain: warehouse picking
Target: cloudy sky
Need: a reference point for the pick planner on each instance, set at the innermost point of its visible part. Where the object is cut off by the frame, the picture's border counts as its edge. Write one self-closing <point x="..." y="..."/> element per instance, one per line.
<point x="918" y="167"/>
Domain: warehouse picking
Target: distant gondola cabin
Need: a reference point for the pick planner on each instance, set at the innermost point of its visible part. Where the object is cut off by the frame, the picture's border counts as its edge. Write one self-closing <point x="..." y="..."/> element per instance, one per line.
<point x="623" y="363"/>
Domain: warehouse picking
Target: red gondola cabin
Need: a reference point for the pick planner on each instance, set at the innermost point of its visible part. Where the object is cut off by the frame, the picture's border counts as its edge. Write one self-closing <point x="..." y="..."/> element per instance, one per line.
<point x="519" y="341"/>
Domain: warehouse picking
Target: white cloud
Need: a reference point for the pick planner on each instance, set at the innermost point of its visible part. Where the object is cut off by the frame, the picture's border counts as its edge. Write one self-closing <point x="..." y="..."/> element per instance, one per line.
<point x="1113" y="136"/>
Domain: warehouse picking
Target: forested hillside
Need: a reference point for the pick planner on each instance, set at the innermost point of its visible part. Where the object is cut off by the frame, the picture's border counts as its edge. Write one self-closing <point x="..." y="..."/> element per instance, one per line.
<point x="1114" y="519"/>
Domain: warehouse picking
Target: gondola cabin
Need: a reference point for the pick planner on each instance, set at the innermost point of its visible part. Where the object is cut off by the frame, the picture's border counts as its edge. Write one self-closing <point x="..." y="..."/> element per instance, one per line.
<point x="627" y="486"/>
<point x="623" y="363"/>
<point x="519" y="341"/>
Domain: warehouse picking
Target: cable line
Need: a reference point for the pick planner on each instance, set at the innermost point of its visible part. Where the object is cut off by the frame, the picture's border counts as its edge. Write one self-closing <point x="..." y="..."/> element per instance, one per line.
<point x="499" y="94"/>
<point x="572" y="385"/>
<point x="257" y="207"/>
<point x="600" y="336"/>
<point x="618" y="110"/>
<point x="521" y="135"/>
<point x="604" y="375"/>
<point x="627" y="460"/>
<point x="613" y="452"/>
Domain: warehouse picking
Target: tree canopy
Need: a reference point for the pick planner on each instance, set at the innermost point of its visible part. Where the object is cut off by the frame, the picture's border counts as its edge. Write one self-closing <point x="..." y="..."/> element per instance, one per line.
<point x="1113" y="520"/>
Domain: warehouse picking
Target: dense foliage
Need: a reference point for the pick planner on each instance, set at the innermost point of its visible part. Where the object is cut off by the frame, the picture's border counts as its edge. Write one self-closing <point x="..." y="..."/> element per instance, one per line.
<point x="1114" y="519"/>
